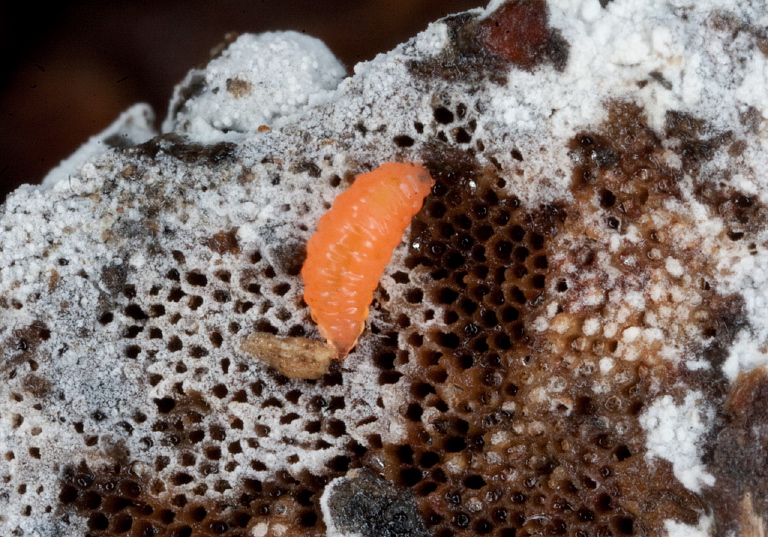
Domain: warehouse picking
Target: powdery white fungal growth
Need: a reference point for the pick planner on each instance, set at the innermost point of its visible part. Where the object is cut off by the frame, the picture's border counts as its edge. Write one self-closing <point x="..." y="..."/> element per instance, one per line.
<point x="746" y="354"/>
<point x="674" y="432"/>
<point x="676" y="529"/>
<point x="255" y="81"/>
<point x="133" y="127"/>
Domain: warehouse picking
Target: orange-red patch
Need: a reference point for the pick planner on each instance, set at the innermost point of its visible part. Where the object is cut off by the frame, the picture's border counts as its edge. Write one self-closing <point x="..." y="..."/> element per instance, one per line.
<point x="353" y="244"/>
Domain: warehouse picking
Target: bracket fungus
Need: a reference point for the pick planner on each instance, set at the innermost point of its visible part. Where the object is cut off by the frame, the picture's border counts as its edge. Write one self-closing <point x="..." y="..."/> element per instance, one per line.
<point x="569" y="340"/>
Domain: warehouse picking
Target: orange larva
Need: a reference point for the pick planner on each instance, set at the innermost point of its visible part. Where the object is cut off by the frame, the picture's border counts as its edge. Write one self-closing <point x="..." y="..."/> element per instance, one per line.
<point x="353" y="244"/>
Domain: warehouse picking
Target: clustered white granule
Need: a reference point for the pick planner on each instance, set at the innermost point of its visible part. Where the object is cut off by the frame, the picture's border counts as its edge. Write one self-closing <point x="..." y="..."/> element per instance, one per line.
<point x="255" y="81"/>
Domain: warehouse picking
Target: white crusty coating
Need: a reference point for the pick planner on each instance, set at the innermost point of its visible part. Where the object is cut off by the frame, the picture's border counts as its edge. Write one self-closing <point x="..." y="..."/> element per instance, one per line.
<point x="674" y="433"/>
<point x="256" y="80"/>
<point x="134" y="126"/>
<point x="677" y="529"/>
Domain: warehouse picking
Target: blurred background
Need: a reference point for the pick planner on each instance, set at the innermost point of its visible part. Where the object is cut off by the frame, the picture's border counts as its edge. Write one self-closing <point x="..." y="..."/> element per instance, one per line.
<point x="68" y="69"/>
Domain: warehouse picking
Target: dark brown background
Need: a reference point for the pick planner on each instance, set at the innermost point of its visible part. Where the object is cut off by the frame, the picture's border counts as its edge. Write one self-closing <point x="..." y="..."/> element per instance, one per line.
<point x="67" y="71"/>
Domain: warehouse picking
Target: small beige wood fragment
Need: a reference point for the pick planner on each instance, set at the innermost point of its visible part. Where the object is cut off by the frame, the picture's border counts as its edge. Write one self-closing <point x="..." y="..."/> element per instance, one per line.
<point x="294" y="357"/>
<point x="752" y="524"/>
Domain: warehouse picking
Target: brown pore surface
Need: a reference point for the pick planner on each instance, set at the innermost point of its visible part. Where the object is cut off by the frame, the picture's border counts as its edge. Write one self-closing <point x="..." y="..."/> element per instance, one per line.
<point x="136" y="499"/>
<point x="511" y="429"/>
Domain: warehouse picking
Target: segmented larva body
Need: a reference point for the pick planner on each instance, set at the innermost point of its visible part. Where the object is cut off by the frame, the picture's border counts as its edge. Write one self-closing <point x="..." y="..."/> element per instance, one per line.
<point x="353" y="244"/>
